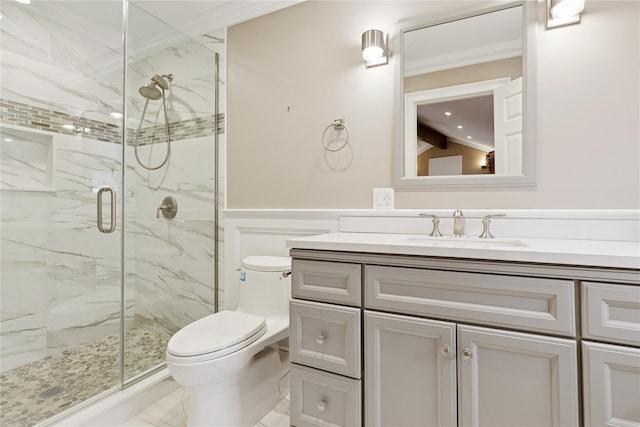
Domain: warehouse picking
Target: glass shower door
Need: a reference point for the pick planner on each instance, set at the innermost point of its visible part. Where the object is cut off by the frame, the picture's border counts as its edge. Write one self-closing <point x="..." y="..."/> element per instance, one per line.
<point x="84" y="309"/>
<point x="170" y="175"/>
<point x="61" y="139"/>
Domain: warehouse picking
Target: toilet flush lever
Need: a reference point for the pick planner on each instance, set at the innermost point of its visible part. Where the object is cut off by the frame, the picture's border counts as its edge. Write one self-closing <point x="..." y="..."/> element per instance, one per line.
<point x="286" y="274"/>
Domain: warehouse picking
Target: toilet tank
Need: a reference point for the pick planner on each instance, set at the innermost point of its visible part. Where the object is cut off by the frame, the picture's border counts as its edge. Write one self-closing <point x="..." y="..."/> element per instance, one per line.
<point x="264" y="289"/>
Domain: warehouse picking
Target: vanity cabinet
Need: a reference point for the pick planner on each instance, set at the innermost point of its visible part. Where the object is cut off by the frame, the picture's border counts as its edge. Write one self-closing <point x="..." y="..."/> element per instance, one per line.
<point x="446" y="342"/>
<point x="325" y="345"/>
<point x="425" y="372"/>
<point x="611" y="367"/>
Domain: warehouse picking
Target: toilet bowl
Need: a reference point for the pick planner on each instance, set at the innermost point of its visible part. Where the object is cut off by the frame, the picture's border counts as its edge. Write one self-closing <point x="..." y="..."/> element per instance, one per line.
<point x="230" y="362"/>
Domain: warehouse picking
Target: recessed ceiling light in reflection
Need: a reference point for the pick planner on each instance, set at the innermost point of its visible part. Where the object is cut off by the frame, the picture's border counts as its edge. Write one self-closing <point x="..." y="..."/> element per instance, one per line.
<point x="459" y="126"/>
<point x="447" y="113"/>
<point x="7" y="139"/>
<point x="116" y="114"/>
<point x="468" y="137"/>
<point x="24" y="1"/>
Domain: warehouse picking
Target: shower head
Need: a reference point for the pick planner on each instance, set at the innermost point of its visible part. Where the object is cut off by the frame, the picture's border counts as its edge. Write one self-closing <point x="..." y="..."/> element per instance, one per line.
<point x="161" y="81"/>
<point x="151" y="91"/>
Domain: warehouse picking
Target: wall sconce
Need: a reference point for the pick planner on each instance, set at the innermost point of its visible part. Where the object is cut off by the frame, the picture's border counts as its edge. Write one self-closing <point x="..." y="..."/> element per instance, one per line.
<point x="374" y="48"/>
<point x="563" y="12"/>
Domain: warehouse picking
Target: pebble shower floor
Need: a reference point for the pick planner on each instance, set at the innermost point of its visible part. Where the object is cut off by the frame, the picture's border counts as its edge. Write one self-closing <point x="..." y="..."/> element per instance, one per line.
<point x="39" y="390"/>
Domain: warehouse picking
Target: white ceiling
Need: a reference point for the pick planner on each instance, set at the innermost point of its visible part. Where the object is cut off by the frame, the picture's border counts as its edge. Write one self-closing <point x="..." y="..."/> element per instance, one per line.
<point x="475" y="115"/>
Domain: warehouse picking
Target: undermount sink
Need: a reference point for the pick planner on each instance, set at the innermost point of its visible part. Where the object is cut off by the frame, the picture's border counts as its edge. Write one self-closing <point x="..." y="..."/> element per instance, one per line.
<point x="466" y="242"/>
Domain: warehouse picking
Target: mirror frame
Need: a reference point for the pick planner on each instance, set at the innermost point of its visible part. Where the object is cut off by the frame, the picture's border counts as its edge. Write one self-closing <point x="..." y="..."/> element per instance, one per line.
<point x="529" y="57"/>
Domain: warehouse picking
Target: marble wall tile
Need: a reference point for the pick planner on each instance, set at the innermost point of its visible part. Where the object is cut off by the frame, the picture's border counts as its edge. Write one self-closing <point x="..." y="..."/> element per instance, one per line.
<point x="62" y="68"/>
<point x="23" y="248"/>
<point x="174" y="292"/>
<point x="51" y="55"/>
<point x="198" y="245"/>
<point x="26" y="162"/>
<point x="25" y="293"/>
<point x="85" y="318"/>
<point x="23" y="340"/>
<point x="170" y="265"/>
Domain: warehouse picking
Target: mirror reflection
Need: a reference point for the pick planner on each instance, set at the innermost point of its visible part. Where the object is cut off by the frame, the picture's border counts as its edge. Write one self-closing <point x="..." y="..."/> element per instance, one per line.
<point x="462" y="86"/>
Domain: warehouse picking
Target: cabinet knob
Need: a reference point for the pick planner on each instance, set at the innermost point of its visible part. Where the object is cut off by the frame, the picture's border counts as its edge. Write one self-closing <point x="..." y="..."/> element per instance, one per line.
<point x="320" y="339"/>
<point x="322" y="405"/>
<point x="445" y="350"/>
<point x="466" y="354"/>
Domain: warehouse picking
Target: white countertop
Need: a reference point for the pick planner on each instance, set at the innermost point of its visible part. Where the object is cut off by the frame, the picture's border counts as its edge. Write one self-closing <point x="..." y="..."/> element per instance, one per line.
<point x="594" y="253"/>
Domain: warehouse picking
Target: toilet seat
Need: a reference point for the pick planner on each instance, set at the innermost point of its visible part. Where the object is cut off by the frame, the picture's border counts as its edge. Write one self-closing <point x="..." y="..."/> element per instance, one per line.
<point x="215" y="336"/>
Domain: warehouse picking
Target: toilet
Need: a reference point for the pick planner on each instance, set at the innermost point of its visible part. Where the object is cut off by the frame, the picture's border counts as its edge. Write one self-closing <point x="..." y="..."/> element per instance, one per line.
<point x="230" y="362"/>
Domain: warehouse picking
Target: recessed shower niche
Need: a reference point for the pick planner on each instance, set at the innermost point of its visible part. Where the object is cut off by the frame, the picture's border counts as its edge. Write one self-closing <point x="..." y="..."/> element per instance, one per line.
<point x="27" y="160"/>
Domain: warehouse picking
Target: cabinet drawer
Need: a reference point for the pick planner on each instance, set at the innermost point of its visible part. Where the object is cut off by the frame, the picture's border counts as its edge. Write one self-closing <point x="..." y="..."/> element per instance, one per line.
<point x="323" y="399"/>
<point x="326" y="337"/>
<point x="326" y="281"/>
<point x="611" y="312"/>
<point x="535" y="304"/>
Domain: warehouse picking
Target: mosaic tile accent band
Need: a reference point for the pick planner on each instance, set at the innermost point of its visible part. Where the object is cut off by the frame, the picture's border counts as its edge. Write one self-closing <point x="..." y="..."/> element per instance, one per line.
<point x="32" y="117"/>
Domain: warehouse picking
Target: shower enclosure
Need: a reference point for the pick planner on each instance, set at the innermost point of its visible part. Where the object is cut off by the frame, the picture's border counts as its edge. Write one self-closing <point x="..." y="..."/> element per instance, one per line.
<point x="95" y="274"/>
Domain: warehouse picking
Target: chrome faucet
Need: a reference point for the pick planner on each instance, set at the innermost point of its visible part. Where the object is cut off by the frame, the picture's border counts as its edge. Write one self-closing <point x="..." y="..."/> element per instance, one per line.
<point x="458" y="223"/>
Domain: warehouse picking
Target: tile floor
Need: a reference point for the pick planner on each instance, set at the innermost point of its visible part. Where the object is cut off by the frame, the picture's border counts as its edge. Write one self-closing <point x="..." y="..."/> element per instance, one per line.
<point x="39" y="390"/>
<point x="170" y="412"/>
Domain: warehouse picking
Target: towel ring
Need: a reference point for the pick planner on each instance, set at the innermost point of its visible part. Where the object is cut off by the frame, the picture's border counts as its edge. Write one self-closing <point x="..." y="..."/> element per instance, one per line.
<point x="336" y="124"/>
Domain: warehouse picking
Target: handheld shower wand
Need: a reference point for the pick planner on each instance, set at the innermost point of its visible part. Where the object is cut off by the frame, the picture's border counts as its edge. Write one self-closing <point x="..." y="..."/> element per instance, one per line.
<point x="150" y="91"/>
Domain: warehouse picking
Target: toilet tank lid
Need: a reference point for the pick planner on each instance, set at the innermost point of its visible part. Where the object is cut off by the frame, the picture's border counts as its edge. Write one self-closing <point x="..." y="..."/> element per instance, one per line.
<point x="267" y="263"/>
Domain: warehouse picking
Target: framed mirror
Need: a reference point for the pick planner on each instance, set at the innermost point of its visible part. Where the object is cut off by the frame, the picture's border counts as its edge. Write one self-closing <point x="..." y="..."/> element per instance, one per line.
<point x="466" y="98"/>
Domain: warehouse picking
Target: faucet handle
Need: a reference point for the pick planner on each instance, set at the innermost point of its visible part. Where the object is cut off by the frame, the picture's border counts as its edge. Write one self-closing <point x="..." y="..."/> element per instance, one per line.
<point x="436" y="221"/>
<point x="161" y="208"/>
<point x="486" y="221"/>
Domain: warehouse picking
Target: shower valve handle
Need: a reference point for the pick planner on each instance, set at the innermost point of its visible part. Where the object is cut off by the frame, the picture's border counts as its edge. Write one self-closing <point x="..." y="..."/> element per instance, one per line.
<point x="161" y="208"/>
<point x="169" y="208"/>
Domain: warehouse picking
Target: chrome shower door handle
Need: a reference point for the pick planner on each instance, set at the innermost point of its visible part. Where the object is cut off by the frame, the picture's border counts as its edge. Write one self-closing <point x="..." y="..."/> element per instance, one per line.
<point x="112" y="227"/>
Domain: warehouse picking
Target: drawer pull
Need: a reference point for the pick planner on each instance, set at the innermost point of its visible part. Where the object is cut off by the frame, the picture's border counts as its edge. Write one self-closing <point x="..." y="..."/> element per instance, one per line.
<point x="445" y="350"/>
<point x="322" y="405"/>
<point x="320" y="339"/>
<point x="466" y="354"/>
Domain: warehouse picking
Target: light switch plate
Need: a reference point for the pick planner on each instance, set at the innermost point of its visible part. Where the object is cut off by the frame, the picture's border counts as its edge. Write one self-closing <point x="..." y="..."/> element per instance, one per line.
<point x="383" y="198"/>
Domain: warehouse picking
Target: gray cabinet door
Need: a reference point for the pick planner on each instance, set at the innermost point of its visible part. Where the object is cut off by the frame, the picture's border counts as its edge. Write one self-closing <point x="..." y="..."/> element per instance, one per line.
<point x="516" y="379"/>
<point x="611" y="385"/>
<point x="410" y="377"/>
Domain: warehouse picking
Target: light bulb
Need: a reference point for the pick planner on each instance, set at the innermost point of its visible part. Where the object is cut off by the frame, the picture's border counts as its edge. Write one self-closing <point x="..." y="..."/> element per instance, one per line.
<point x="372" y="53"/>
